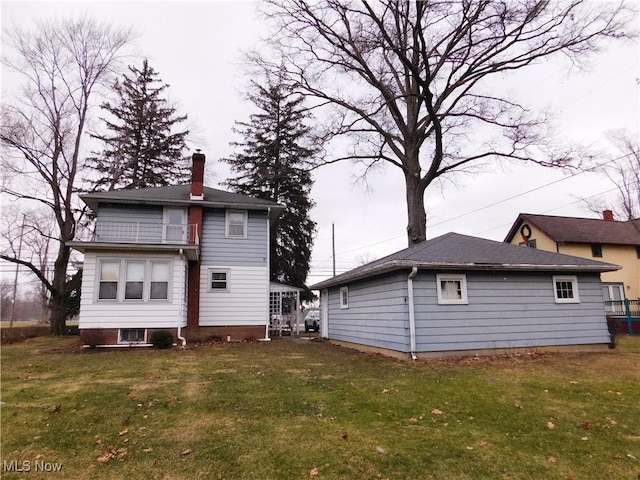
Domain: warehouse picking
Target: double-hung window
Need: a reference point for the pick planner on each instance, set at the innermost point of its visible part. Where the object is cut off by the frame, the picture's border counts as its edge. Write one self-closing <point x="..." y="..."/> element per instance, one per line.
<point x="142" y="280"/>
<point x="134" y="283"/>
<point x="452" y="289"/>
<point x="236" y="224"/>
<point x="565" y="289"/>
<point x="109" y="280"/>
<point x="159" y="289"/>
<point x="219" y="280"/>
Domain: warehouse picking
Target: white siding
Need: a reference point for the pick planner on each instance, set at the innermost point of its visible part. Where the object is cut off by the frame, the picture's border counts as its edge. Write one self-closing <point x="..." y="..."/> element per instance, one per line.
<point x="245" y="302"/>
<point x="133" y="314"/>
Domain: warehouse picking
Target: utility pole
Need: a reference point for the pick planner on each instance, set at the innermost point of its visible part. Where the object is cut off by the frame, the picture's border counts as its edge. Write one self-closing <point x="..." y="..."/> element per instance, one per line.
<point x="333" y="246"/>
<point x="15" y="280"/>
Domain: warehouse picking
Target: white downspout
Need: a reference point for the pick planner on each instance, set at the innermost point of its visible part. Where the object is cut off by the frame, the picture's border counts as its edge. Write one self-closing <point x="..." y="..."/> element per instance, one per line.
<point x="180" y="337"/>
<point x="412" y="315"/>
<point x="266" y="328"/>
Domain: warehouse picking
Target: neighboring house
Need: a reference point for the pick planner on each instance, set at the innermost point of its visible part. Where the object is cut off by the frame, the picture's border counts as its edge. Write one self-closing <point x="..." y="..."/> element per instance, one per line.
<point x="189" y="259"/>
<point x="460" y="295"/>
<point x="607" y="240"/>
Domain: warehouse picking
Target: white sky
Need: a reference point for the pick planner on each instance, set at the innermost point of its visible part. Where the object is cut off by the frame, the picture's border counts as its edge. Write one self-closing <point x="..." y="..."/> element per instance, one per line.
<point x="196" y="48"/>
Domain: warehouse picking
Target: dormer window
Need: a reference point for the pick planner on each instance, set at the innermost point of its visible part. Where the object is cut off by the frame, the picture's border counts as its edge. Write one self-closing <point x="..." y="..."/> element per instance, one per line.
<point x="236" y="224"/>
<point x="596" y="250"/>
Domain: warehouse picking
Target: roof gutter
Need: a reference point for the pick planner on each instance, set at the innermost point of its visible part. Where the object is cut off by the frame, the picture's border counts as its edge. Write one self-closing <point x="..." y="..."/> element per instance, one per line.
<point x="412" y="313"/>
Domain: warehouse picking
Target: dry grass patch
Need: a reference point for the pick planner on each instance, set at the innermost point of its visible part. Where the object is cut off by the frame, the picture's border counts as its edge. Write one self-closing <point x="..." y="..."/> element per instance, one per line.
<point x="282" y="410"/>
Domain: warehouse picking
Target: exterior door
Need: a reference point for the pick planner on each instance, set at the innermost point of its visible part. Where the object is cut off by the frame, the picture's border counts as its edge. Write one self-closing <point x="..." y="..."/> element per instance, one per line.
<point x="175" y="225"/>
<point x="614" y="292"/>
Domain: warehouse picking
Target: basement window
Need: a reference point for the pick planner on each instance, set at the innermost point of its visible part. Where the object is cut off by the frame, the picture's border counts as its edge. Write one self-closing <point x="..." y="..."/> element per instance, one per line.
<point x="132" y="335"/>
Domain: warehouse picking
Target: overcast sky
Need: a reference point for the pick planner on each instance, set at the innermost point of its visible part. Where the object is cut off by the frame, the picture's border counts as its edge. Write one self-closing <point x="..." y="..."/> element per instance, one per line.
<point x="196" y="48"/>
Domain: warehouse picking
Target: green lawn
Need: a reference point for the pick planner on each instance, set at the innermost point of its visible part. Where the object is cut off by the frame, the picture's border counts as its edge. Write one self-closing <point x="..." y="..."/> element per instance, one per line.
<point x="285" y="410"/>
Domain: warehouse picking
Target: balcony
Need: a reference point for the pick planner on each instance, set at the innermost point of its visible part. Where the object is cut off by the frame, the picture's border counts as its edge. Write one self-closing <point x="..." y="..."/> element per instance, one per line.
<point x="146" y="233"/>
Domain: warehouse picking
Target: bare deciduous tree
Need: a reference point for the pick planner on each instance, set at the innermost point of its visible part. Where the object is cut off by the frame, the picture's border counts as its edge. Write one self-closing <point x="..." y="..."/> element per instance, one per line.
<point x="408" y="81"/>
<point x="624" y="172"/>
<point x="63" y="65"/>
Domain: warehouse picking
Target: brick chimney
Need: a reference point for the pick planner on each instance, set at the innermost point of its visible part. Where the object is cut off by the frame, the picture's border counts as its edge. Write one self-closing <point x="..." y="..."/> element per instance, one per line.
<point x="607" y="215"/>
<point x="195" y="221"/>
<point x="197" y="176"/>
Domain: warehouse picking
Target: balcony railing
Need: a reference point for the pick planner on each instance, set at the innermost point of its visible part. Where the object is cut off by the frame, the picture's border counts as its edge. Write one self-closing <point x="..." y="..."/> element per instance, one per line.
<point x="144" y="232"/>
<point x="622" y="308"/>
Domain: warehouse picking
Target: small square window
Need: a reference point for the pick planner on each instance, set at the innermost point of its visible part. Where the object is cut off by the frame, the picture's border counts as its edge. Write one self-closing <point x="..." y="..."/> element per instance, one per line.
<point x="344" y="297"/>
<point x="565" y="289"/>
<point x="596" y="250"/>
<point x="132" y="335"/>
<point x="452" y="289"/>
<point x="219" y="280"/>
<point x="236" y="223"/>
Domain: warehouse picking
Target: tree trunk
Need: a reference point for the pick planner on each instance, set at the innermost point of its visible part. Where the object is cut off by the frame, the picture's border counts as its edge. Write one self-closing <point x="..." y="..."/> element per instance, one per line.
<point x="59" y="294"/>
<point x="417" y="217"/>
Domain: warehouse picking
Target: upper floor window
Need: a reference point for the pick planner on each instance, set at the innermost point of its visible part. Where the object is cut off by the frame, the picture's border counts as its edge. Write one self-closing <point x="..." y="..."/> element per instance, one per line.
<point x="565" y="289"/>
<point x="596" y="250"/>
<point x="452" y="289"/>
<point x="236" y="224"/>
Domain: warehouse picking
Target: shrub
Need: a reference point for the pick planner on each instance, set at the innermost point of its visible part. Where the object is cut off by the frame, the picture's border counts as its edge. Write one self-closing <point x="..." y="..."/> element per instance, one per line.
<point x="162" y="339"/>
<point x="91" y="338"/>
<point x="612" y="325"/>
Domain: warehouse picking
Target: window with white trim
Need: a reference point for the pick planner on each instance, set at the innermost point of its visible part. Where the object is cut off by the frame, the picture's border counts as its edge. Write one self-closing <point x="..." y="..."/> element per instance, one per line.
<point x="236" y="224"/>
<point x="452" y="289"/>
<point x="132" y="335"/>
<point x="218" y="280"/>
<point x="144" y="280"/>
<point x="565" y="289"/>
<point x="159" y="285"/>
<point x="109" y="280"/>
<point x="344" y="297"/>
<point x="134" y="280"/>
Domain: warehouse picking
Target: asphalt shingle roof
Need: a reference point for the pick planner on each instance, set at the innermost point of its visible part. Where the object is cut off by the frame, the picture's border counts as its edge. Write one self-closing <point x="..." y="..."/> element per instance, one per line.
<point x="581" y="230"/>
<point x="462" y="252"/>
<point x="179" y="195"/>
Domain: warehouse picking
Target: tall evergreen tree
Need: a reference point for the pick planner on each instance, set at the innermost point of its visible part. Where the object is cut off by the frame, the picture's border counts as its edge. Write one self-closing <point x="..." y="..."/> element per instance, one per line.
<point x="141" y="147"/>
<point x="272" y="163"/>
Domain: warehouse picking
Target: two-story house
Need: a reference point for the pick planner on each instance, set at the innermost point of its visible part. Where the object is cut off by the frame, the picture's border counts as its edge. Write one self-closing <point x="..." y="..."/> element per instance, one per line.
<point x="189" y="259"/>
<point x="607" y="240"/>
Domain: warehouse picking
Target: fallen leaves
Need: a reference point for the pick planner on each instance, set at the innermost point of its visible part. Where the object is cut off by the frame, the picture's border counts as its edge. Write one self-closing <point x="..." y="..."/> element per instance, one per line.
<point x="551" y="425"/>
<point x="436" y="411"/>
<point x="113" y="453"/>
<point x="186" y="452"/>
<point x="314" y="472"/>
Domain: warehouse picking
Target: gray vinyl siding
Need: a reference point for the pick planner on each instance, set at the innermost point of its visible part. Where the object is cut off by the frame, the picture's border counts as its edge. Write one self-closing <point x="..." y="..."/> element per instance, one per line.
<point x="508" y="310"/>
<point x="219" y="250"/>
<point x="505" y="310"/>
<point x="139" y="223"/>
<point x="378" y="313"/>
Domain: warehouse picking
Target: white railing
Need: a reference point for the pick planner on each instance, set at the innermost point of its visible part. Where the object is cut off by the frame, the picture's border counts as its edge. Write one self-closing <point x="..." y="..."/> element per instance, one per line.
<point x="144" y="232"/>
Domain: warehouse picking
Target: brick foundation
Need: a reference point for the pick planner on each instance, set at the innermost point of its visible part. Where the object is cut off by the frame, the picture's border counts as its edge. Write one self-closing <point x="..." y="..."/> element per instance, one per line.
<point x="109" y="336"/>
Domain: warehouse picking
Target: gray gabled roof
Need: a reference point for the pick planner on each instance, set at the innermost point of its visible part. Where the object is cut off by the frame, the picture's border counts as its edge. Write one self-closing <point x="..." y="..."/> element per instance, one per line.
<point x="178" y="195"/>
<point x="454" y="251"/>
